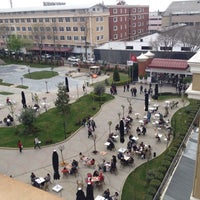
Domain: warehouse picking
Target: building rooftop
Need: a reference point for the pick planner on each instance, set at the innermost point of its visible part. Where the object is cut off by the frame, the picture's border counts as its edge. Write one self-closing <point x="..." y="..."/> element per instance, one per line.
<point x="183" y="7"/>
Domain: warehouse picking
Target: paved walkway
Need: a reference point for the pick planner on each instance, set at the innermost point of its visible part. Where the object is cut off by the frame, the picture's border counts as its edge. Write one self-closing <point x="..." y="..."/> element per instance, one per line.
<point x="40" y="161"/>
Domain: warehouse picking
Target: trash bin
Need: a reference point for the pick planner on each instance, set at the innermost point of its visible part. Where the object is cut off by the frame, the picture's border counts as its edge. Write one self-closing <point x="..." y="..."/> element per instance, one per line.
<point x="154" y="154"/>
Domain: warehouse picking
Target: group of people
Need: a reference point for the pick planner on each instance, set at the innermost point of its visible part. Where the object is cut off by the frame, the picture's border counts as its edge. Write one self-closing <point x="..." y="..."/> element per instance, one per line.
<point x="34" y="178"/>
<point x="8" y="120"/>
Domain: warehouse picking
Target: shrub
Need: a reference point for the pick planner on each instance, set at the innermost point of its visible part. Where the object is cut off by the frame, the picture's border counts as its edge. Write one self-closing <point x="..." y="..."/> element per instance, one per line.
<point x="155" y="183"/>
<point x="151" y="190"/>
<point x="159" y="176"/>
<point x="99" y="89"/>
<point x="162" y="169"/>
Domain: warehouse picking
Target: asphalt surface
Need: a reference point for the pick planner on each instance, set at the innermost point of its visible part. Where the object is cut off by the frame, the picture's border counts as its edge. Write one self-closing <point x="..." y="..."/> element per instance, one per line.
<point x="39" y="161"/>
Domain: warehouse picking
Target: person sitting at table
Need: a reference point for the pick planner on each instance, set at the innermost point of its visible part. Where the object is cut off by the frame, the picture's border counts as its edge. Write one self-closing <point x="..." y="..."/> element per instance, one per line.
<point x="111" y="146"/>
<point x="73" y="170"/>
<point x="111" y="137"/>
<point x="91" y="162"/>
<point x="33" y="177"/>
<point x="106" y="194"/>
<point x="47" y="178"/>
<point x="96" y="173"/>
<point x="65" y="171"/>
<point x="102" y="166"/>
<point x="144" y="130"/>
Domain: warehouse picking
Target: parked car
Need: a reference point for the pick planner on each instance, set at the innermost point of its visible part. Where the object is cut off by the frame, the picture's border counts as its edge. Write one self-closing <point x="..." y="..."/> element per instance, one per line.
<point x="73" y="59"/>
<point x="46" y="56"/>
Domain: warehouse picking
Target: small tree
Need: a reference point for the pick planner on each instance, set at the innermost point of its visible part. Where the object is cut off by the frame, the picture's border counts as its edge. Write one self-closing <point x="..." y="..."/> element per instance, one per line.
<point x="116" y="76"/>
<point x="99" y="89"/>
<point x="27" y="118"/>
<point x="62" y="101"/>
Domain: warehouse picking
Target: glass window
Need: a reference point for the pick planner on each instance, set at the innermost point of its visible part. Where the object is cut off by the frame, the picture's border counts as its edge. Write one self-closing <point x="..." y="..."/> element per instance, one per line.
<point x="82" y="28"/>
<point x="83" y="38"/>
<point x="69" y="37"/>
<point x="23" y="28"/>
<point x="75" y="37"/>
<point x="61" y="28"/>
<point x="82" y="19"/>
<point x="41" y="20"/>
<point x="62" y="37"/>
<point x="75" y="19"/>
<point x="46" y="19"/>
<point x="115" y="19"/>
<point x="28" y="20"/>
<point x="48" y="29"/>
<point x="6" y="20"/>
<point x="115" y="11"/>
<point x="29" y="28"/>
<point x="34" y="20"/>
<point x="16" y="20"/>
<point x="60" y="19"/>
<point x="68" y="28"/>
<point x="53" y="19"/>
<point x="54" y="28"/>
<point x="11" y="20"/>
<point x="75" y="28"/>
<point x="67" y="19"/>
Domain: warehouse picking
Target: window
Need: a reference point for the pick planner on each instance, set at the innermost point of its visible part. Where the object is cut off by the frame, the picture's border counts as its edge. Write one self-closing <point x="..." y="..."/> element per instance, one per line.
<point x="139" y="16"/>
<point x="11" y="20"/>
<point x="114" y="28"/>
<point x="166" y="48"/>
<point x="41" y="20"/>
<point x="139" y="10"/>
<point x="82" y="19"/>
<point x="23" y="28"/>
<point x="97" y="37"/>
<point x="28" y="20"/>
<point x="115" y="19"/>
<point x="146" y="48"/>
<point x="75" y="37"/>
<point x="22" y="20"/>
<point x="102" y="37"/>
<point x="55" y="37"/>
<point x="6" y="20"/>
<point x="134" y="24"/>
<point x="34" y="20"/>
<point x="83" y="38"/>
<point x="75" y="19"/>
<point x="97" y="28"/>
<point x="16" y="20"/>
<point x="121" y="11"/>
<point x="60" y="19"/>
<point x="185" y="49"/>
<point x="68" y="28"/>
<point x="42" y="29"/>
<point x="115" y="36"/>
<point x="134" y="10"/>
<point x="53" y="19"/>
<point x="134" y="17"/>
<point x="35" y="29"/>
<point x="82" y="28"/>
<point x="48" y="29"/>
<point x="75" y="28"/>
<point x="101" y="28"/>
<point x="46" y="19"/>
<point x="101" y="19"/>
<point x="115" y="11"/>
<point x="129" y="47"/>
<point x="62" y="37"/>
<point x="48" y="37"/>
<point x="61" y="28"/>
<point x="139" y="23"/>
<point x="29" y="28"/>
<point x="67" y="19"/>
<point x="54" y="28"/>
<point x="12" y="28"/>
<point x="69" y="37"/>
<point x="18" y="28"/>
<point x="97" y="19"/>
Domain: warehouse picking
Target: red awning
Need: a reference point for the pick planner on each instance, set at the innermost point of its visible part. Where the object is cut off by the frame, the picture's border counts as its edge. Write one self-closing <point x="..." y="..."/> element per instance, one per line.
<point x="172" y="64"/>
<point x="62" y="49"/>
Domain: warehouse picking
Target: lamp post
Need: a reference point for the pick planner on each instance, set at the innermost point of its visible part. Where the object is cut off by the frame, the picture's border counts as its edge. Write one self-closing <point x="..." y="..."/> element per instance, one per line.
<point x="61" y="148"/>
<point x="109" y="124"/>
<point x="29" y="72"/>
<point x="123" y="110"/>
<point x="46" y="82"/>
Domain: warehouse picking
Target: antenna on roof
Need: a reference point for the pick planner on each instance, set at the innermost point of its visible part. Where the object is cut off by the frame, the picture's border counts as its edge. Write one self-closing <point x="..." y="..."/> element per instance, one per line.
<point x="11" y="5"/>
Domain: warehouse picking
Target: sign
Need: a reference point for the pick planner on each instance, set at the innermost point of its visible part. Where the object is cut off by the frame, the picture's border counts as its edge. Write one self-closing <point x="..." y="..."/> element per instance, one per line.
<point x="129" y="62"/>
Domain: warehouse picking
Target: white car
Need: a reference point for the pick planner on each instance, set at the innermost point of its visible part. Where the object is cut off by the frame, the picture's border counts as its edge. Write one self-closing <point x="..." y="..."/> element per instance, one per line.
<point x="73" y="59"/>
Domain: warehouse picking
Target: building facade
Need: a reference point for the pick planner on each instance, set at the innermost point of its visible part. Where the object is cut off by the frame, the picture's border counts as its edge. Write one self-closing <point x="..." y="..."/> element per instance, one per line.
<point x="155" y="22"/>
<point x="182" y="12"/>
<point x="127" y="22"/>
<point x="77" y="30"/>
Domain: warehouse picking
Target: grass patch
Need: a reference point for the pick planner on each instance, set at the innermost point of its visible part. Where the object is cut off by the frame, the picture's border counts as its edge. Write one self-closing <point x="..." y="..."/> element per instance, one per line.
<point x="40" y="75"/>
<point x="49" y="126"/>
<point x="5" y="84"/>
<point x="138" y="186"/>
<point x="5" y="93"/>
<point x="22" y="86"/>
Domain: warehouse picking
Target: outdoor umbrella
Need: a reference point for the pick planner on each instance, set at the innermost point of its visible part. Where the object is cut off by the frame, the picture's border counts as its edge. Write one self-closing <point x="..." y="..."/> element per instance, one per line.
<point x="67" y="84"/>
<point x="89" y="192"/>
<point x="23" y="100"/>
<point x="146" y="101"/>
<point x="55" y="163"/>
<point x="121" y="130"/>
<point x="156" y="91"/>
<point x="80" y="195"/>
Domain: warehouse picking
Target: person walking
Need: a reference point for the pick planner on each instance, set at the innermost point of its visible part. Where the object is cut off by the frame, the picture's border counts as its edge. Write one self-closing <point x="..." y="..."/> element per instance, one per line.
<point x="20" y="146"/>
<point x="36" y="143"/>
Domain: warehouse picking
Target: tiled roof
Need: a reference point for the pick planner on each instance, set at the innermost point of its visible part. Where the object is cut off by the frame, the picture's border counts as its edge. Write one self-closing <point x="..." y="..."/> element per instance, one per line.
<point x="172" y="64"/>
<point x="183" y="7"/>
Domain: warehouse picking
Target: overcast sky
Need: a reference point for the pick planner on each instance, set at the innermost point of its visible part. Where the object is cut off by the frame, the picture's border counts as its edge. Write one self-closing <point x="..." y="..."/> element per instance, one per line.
<point x="155" y="5"/>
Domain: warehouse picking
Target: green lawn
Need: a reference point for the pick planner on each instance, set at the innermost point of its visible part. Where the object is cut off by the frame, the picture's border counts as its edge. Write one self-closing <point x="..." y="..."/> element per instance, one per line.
<point x="5" y="84"/>
<point x="40" y="75"/>
<point x="49" y="126"/>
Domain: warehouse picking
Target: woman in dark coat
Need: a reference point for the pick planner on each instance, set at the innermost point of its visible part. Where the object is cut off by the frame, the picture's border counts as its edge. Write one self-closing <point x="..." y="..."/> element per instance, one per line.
<point x="80" y="195"/>
<point x="89" y="192"/>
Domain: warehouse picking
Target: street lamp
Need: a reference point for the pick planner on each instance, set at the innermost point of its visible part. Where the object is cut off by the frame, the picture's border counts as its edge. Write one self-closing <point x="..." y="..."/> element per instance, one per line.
<point x="46" y="82"/>
<point x="109" y="124"/>
<point x="29" y="71"/>
<point x="123" y="110"/>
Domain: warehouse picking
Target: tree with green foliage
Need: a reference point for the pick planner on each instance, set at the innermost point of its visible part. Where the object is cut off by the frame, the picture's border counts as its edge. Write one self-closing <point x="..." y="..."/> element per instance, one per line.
<point x="62" y="100"/>
<point x="27" y="118"/>
<point x="99" y="89"/>
<point x="116" y="76"/>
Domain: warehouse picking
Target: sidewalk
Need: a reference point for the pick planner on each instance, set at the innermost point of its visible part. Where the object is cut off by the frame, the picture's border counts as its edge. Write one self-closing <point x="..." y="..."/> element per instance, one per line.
<point x="39" y="161"/>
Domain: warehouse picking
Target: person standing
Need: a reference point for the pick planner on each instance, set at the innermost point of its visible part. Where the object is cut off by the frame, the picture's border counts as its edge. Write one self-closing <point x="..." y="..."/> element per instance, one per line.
<point x="20" y="146"/>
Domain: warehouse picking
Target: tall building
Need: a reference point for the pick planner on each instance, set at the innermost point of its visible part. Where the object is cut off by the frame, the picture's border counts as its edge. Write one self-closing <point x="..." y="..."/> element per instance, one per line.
<point x="59" y="28"/>
<point x="182" y="12"/>
<point x="127" y="22"/>
<point x="155" y="22"/>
